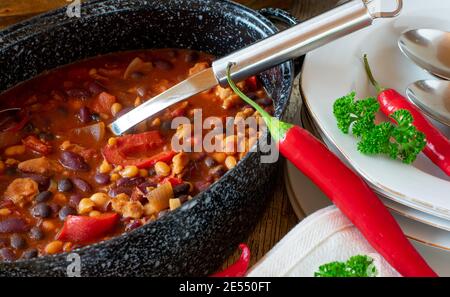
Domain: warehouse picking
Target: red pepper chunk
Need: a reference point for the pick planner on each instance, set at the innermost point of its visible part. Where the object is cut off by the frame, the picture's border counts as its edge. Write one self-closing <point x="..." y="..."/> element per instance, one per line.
<point x="240" y="267"/>
<point x="37" y="145"/>
<point x="83" y="229"/>
<point x="120" y="153"/>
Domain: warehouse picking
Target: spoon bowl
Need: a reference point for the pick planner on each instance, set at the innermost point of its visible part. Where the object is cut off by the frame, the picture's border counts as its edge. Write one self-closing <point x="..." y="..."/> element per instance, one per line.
<point x="429" y="49"/>
<point x="432" y="97"/>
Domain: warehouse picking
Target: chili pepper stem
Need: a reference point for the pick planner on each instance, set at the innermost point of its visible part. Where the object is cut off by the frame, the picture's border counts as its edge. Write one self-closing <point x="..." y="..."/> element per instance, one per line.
<point x="277" y="128"/>
<point x="370" y="75"/>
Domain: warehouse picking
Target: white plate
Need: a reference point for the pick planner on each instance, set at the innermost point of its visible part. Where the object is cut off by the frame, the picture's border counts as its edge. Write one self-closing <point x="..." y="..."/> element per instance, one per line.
<point x="336" y="69"/>
<point x="398" y="208"/>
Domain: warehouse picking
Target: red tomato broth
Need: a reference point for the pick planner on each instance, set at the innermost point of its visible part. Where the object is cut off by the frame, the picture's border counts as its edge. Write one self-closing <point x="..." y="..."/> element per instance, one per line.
<point x="53" y="102"/>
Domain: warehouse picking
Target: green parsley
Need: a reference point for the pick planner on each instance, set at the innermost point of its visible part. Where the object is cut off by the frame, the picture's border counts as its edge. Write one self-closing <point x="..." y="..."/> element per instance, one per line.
<point x="356" y="266"/>
<point x="400" y="140"/>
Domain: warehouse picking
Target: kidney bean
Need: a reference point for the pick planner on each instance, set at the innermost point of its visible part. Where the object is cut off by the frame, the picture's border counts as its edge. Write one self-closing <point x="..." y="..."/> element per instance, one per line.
<point x="75" y="199"/>
<point x="84" y="115"/>
<point x="82" y="185"/>
<point x="18" y="242"/>
<point x="42" y="181"/>
<point x="143" y="187"/>
<point x="43" y="196"/>
<point x="73" y="161"/>
<point x="218" y="171"/>
<point x="54" y="207"/>
<point x="137" y="75"/>
<point x="66" y="211"/>
<point x="95" y="88"/>
<point x="162" y="64"/>
<point x="36" y="233"/>
<point x="192" y="57"/>
<point x="41" y="210"/>
<point x="130" y="182"/>
<point x="133" y="225"/>
<point x="181" y="189"/>
<point x="116" y="191"/>
<point x="210" y="162"/>
<point x="102" y="179"/>
<point x="78" y="93"/>
<point x="7" y="254"/>
<point x="13" y="225"/>
<point x="183" y="198"/>
<point x="30" y="254"/>
<point x="65" y="185"/>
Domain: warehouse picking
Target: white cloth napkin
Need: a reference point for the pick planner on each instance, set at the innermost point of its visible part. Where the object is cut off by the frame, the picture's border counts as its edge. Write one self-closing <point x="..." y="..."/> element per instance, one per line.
<point x="323" y="237"/>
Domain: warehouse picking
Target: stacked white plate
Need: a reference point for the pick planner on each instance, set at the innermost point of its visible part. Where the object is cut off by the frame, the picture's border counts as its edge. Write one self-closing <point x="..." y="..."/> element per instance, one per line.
<point x="418" y="195"/>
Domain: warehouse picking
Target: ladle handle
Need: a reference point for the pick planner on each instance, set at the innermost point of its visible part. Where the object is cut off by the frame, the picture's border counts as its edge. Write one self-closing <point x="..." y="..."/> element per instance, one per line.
<point x="300" y="39"/>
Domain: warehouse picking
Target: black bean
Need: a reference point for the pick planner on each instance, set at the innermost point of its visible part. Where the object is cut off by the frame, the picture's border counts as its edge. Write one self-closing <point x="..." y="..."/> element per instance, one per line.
<point x="65" y="185"/>
<point x="18" y="242"/>
<point x="166" y="126"/>
<point x="95" y="117"/>
<point x="95" y="88"/>
<point x="181" y="189"/>
<point x="82" y="185"/>
<point x="163" y="64"/>
<point x="30" y="254"/>
<point x="66" y="211"/>
<point x="41" y="210"/>
<point x="102" y="179"/>
<point x="46" y="136"/>
<point x="43" y="196"/>
<point x="36" y="233"/>
<point x="75" y="199"/>
<point x="192" y="57"/>
<point x="11" y="171"/>
<point x="130" y="182"/>
<point x="7" y="254"/>
<point x="78" y="93"/>
<point x="210" y="162"/>
<point x="73" y="161"/>
<point x="264" y="101"/>
<point x="13" y="225"/>
<point x="218" y="171"/>
<point x="84" y="115"/>
<point x="116" y="191"/>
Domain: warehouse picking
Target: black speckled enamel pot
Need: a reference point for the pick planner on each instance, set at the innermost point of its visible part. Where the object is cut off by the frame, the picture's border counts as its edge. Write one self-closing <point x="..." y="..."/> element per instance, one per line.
<point x="195" y="239"/>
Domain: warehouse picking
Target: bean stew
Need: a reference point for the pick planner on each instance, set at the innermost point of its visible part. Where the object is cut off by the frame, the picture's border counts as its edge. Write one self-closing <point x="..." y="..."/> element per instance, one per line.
<point x="66" y="181"/>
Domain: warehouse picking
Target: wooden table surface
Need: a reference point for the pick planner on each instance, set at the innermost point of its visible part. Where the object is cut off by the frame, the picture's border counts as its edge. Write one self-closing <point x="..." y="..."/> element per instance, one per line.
<point x="279" y="216"/>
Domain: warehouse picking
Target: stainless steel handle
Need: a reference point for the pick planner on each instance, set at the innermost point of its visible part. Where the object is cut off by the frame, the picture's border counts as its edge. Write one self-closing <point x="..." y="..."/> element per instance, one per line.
<point x="300" y="39"/>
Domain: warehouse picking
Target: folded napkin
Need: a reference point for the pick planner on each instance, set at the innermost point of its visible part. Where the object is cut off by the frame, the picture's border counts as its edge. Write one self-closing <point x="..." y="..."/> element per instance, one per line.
<point x="323" y="237"/>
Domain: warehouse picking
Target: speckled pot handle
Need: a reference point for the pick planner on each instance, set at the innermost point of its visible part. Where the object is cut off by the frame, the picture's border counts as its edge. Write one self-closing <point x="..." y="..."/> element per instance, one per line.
<point x="280" y="15"/>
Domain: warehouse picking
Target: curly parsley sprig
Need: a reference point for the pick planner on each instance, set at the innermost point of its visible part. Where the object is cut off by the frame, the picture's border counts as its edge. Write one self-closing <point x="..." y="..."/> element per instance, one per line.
<point x="400" y="140"/>
<point x="356" y="266"/>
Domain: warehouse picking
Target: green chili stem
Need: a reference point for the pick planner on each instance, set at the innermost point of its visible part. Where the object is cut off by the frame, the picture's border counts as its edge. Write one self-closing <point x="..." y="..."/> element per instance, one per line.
<point x="370" y="75"/>
<point x="277" y="128"/>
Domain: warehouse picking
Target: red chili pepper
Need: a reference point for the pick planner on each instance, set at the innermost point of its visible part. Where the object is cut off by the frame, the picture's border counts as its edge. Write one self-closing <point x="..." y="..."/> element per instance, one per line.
<point x="438" y="146"/>
<point x="347" y="191"/>
<point x="120" y="153"/>
<point x="82" y="229"/>
<point x="240" y="267"/>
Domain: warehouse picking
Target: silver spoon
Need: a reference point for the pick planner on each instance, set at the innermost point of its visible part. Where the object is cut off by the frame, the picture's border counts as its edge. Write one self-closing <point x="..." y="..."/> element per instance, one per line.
<point x="432" y="97"/>
<point x="429" y="49"/>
